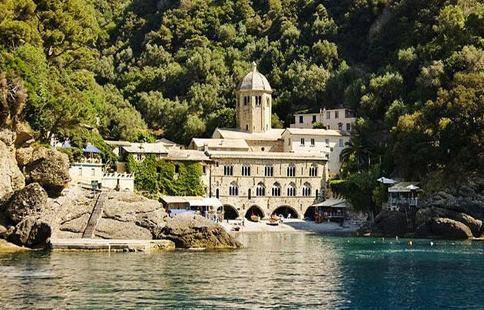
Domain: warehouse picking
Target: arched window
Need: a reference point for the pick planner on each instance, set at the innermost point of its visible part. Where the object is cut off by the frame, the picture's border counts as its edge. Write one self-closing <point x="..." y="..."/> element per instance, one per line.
<point x="233" y="189"/>
<point x="246" y="170"/>
<point x="306" y="190"/>
<point x="276" y="189"/>
<point x="313" y="171"/>
<point x="291" y="190"/>
<point x="260" y="190"/>
<point x="291" y="170"/>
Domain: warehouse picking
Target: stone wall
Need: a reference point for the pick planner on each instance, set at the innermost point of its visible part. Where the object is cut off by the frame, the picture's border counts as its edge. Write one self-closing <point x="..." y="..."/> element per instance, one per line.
<point x="243" y="201"/>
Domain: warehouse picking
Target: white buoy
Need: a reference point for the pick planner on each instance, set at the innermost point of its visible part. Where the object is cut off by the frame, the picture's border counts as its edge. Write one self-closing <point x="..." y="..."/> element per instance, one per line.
<point x="431" y="243"/>
<point x="396" y="238"/>
<point x="374" y="242"/>
<point x="410" y="243"/>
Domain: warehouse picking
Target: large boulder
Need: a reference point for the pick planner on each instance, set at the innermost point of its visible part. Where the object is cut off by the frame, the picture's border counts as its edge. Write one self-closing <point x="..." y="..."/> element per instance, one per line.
<point x="30" y="200"/>
<point x="194" y="231"/>
<point x="424" y="215"/>
<point x="31" y="232"/>
<point x="48" y="167"/>
<point x="125" y="215"/>
<point x="444" y="228"/>
<point x="391" y="223"/>
<point x="11" y="178"/>
<point x="130" y="216"/>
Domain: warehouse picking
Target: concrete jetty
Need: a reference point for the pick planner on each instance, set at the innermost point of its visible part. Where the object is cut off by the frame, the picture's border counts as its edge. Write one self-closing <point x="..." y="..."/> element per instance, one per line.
<point x="111" y="245"/>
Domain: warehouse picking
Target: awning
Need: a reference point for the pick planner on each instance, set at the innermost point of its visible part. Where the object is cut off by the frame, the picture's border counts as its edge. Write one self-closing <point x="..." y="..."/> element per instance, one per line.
<point x="91" y="149"/>
<point x="332" y="203"/>
<point x="386" y="180"/>
<point x="205" y="202"/>
<point x="404" y="187"/>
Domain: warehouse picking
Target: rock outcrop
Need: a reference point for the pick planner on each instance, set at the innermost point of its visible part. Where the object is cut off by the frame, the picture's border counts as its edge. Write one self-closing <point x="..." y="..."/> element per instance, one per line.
<point x="444" y="228"/>
<point x="390" y="223"/>
<point x="194" y="231"/>
<point x="453" y="213"/>
<point x="425" y="215"/>
<point x="48" y="167"/>
<point x="30" y="200"/>
<point x="31" y="232"/>
<point x="125" y="215"/>
<point x="7" y="247"/>
<point x="11" y="178"/>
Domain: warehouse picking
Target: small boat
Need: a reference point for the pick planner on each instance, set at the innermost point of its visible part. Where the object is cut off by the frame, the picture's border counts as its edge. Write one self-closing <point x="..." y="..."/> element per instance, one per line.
<point x="254" y="218"/>
<point x="272" y="223"/>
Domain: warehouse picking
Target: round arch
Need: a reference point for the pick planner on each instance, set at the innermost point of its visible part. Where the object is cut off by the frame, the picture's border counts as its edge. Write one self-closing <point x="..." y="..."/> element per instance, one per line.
<point x="254" y="210"/>
<point x="309" y="214"/>
<point x="285" y="211"/>
<point x="230" y="213"/>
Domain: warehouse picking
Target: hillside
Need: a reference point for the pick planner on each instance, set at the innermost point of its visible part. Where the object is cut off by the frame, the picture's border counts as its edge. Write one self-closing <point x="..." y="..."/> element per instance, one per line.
<point x="138" y="69"/>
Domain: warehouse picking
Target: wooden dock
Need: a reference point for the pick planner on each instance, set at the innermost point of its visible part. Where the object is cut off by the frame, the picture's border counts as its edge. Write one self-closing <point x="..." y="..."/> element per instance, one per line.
<point x="95" y="216"/>
<point x="111" y="245"/>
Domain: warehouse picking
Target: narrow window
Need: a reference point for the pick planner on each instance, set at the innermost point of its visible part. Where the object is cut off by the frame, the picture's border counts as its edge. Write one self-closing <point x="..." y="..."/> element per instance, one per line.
<point x="340" y="143"/>
<point x="301" y="119"/>
<point x="306" y="191"/>
<point x="336" y="114"/>
<point x="228" y="170"/>
<point x="348" y="126"/>
<point x="328" y="115"/>
<point x="314" y="118"/>
<point x="217" y="193"/>
<point x="312" y="142"/>
<point x="246" y="170"/>
<point x="276" y="190"/>
<point x="302" y="141"/>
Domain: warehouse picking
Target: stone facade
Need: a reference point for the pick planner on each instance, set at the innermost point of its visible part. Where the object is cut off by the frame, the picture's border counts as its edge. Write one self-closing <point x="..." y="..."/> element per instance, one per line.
<point x="264" y="185"/>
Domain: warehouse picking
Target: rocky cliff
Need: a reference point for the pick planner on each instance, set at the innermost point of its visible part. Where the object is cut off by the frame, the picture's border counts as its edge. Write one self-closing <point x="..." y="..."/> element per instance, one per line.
<point x="453" y="213"/>
<point x="35" y="206"/>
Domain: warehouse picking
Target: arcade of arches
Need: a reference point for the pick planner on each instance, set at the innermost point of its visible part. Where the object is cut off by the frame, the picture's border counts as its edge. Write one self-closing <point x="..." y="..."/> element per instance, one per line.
<point x="232" y="211"/>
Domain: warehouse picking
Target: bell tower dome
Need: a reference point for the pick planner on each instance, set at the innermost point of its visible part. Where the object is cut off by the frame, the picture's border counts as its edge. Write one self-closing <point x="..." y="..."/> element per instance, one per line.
<point x="254" y="102"/>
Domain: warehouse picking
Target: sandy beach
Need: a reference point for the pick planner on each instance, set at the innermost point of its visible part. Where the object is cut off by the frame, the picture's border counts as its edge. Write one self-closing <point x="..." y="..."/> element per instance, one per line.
<point x="290" y="225"/>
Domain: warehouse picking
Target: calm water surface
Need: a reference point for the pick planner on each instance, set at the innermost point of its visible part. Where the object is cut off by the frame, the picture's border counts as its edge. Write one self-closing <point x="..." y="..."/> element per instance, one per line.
<point x="287" y="270"/>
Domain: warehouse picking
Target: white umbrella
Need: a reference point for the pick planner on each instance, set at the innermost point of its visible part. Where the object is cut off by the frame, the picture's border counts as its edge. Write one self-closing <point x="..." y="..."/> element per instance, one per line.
<point x="412" y="187"/>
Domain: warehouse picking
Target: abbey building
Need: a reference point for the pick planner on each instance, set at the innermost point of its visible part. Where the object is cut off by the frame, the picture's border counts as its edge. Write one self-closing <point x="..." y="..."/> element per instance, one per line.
<point x="257" y="170"/>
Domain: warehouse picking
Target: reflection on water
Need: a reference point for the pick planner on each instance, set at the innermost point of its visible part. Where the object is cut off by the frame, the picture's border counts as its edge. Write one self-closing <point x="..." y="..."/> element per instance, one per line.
<point x="287" y="270"/>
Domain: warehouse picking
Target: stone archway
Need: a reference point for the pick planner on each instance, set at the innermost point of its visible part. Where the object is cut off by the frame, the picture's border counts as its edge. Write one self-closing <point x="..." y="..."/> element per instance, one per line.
<point x="230" y="212"/>
<point x="309" y="214"/>
<point x="285" y="211"/>
<point x="254" y="210"/>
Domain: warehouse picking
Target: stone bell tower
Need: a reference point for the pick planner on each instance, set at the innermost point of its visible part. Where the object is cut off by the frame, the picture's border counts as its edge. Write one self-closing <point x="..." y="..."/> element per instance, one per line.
<point x="254" y="102"/>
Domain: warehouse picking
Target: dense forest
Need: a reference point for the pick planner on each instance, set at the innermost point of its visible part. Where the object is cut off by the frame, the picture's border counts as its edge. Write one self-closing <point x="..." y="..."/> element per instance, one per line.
<point x="140" y="69"/>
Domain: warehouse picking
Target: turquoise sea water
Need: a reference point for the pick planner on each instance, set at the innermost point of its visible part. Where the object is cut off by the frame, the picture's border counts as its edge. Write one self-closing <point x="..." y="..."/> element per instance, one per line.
<point x="287" y="270"/>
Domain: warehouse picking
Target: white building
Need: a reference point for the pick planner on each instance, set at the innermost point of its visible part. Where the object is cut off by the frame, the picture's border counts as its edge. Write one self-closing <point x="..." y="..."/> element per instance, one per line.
<point x="317" y="142"/>
<point x="336" y="119"/>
